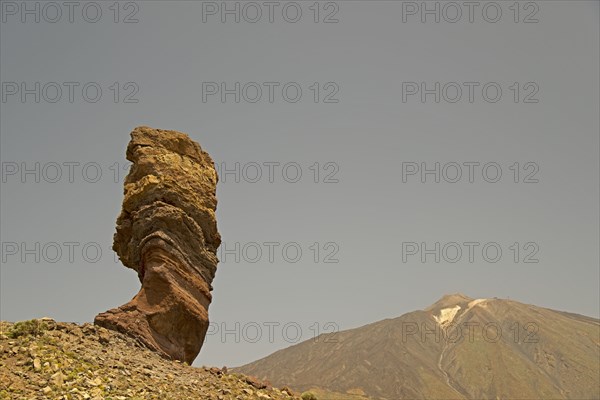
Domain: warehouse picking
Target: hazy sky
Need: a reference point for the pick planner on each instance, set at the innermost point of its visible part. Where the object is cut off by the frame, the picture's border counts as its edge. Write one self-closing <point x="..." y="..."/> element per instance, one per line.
<point x="359" y="128"/>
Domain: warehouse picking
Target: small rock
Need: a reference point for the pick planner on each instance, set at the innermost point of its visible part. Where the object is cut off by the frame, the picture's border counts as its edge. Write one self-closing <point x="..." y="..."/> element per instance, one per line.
<point x="95" y="382"/>
<point x="37" y="364"/>
<point x="58" y="379"/>
<point x="88" y="328"/>
<point x="103" y="337"/>
<point x="46" y="390"/>
<point x="256" y="382"/>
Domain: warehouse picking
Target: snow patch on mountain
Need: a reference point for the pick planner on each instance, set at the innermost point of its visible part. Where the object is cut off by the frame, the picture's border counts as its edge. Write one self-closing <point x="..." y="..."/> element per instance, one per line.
<point x="446" y="315"/>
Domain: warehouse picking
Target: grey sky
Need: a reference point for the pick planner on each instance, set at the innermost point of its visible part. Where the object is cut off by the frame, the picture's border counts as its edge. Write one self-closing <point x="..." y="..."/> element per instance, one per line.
<point x="366" y="135"/>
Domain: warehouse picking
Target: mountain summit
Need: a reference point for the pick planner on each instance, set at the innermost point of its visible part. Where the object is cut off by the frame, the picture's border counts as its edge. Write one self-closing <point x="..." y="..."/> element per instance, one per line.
<point x="457" y="348"/>
<point x="450" y="300"/>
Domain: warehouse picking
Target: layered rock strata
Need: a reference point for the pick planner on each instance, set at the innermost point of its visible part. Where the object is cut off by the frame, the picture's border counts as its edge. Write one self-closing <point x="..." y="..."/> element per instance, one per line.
<point x="167" y="232"/>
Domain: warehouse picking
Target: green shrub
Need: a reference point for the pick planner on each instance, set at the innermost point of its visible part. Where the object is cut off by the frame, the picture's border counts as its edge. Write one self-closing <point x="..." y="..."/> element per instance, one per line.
<point x="32" y="327"/>
<point x="308" y="396"/>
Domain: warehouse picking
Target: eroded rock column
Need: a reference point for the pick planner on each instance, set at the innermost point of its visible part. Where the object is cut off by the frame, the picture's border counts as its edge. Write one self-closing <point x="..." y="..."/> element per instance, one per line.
<point x="167" y="232"/>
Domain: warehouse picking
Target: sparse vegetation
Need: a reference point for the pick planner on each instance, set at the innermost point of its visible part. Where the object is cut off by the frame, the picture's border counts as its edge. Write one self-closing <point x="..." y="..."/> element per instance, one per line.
<point x="309" y="396"/>
<point x="32" y="327"/>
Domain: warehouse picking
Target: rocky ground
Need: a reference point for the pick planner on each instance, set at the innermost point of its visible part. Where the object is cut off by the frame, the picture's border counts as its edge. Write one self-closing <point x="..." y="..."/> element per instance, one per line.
<point x="44" y="359"/>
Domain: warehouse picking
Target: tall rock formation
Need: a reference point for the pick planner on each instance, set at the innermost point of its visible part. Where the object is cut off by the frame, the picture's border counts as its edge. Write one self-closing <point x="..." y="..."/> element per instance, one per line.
<point x="167" y="232"/>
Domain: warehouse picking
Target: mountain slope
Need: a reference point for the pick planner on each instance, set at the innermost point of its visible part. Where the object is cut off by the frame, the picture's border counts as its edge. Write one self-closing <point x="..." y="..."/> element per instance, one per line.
<point x="44" y="359"/>
<point x="458" y="348"/>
